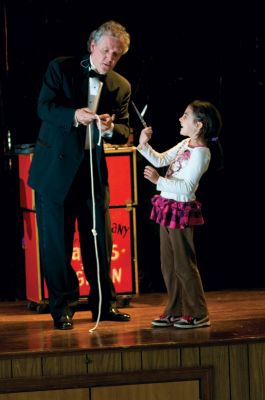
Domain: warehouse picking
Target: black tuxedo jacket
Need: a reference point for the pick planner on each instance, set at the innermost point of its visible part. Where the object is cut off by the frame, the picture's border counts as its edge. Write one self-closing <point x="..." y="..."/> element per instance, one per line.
<point x="59" y="148"/>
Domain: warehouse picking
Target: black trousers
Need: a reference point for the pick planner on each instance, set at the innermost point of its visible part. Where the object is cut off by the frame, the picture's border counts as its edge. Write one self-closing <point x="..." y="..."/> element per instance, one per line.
<point x="56" y="227"/>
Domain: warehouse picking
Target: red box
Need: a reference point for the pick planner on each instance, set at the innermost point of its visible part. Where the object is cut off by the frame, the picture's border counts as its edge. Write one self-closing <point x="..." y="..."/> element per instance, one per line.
<point x="123" y="197"/>
<point x="27" y="200"/>
<point x="123" y="260"/>
<point x="122" y="176"/>
<point x="121" y="164"/>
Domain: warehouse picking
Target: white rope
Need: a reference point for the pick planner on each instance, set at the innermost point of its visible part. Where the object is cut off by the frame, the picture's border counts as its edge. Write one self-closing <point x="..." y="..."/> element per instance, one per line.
<point x="94" y="232"/>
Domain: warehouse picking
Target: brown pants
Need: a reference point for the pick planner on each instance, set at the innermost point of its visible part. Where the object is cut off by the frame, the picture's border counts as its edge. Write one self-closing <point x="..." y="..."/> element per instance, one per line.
<point x="181" y="274"/>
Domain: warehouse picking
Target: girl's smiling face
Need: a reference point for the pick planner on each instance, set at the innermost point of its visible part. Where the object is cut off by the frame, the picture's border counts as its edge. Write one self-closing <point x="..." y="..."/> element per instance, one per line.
<point x="189" y="126"/>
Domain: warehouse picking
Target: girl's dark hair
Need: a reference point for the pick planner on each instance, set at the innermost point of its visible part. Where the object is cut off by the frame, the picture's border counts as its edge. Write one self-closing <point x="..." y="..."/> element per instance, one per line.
<point x="207" y="113"/>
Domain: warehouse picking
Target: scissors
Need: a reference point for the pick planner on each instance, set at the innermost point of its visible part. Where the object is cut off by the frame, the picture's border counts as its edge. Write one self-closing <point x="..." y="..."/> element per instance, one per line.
<point x="140" y="115"/>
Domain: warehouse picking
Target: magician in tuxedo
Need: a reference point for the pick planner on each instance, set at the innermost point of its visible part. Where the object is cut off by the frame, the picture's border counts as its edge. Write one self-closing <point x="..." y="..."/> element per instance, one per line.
<point x="82" y="103"/>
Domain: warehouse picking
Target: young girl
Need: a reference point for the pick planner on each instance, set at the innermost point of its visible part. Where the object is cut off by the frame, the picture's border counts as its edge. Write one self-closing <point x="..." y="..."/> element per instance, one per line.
<point x="177" y="211"/>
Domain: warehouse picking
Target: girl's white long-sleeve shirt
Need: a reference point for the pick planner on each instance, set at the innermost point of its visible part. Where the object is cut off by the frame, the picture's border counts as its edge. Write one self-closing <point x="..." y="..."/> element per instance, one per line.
<point x="186" y="167"/>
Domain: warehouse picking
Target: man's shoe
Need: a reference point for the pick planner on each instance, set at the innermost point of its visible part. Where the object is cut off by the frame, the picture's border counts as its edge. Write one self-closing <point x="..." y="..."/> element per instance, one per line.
<point x="113" y="314"/>
<point x="65" y="322"/>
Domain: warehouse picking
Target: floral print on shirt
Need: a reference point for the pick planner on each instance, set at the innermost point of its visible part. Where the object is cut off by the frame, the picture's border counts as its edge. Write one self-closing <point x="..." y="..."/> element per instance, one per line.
<point x="177" y="164"/>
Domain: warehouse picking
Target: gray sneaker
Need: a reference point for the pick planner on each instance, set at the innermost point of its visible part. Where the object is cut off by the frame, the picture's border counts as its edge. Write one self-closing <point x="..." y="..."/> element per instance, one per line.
<point x="165" y="320"/>
<point x="186" y="322"/>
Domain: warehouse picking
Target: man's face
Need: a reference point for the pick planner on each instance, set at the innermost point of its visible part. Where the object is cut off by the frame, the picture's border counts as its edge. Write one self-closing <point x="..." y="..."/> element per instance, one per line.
<point x="106" y="53"/>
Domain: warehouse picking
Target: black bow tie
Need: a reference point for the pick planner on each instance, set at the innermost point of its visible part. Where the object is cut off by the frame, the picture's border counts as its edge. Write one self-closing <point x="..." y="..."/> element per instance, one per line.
<point x="95" y="74"/>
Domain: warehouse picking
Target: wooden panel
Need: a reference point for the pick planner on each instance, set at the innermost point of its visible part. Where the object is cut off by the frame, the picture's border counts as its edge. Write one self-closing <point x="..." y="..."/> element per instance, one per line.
<point x="187" y="390"/>
<point x="26" y="367"/>
<point x="257" y="371"/>
<point x="66" y="394"/>
<point x="194" y="383"/>
<point x="104" y="362"/>
<point x="169" y="358"/>
<point x="217" y="357"/>
<point x="203" y="376"/>
<point x="190" y="357"/>
<point x="239" y="378"/>
<point x="5" y="369"/>
<point x="132" y="361"/>
<point x="65" y="365"/>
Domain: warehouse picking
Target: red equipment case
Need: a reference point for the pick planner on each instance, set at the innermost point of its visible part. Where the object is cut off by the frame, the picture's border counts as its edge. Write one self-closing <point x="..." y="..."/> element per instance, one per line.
<point x="121" y="163"/>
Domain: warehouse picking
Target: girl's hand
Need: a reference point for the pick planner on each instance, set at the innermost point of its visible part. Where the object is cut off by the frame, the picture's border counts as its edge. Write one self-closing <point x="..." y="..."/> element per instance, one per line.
<point x="151" y="174"/>
<point x="145" y="136"/>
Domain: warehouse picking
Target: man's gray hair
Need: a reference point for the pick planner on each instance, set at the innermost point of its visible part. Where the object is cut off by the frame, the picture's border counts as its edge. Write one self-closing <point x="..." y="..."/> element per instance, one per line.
<point x="111" y="28"/>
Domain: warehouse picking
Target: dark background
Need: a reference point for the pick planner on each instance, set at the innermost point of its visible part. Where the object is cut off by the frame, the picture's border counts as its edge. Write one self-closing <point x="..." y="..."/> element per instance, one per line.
<point x="180" y="51"/>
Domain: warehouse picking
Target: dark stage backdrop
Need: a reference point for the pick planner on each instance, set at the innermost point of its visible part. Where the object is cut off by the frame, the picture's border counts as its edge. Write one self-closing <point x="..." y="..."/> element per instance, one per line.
<point x="178" y="53"/>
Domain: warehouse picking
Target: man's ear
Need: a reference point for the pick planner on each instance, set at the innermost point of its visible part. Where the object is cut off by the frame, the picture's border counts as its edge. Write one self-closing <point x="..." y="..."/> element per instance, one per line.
<point x="91" y="46"/>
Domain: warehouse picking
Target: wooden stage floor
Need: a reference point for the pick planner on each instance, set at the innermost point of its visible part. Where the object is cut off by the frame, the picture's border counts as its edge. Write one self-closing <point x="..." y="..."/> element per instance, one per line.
<point x="132" y="360"/>
<point x="237" y="316"/>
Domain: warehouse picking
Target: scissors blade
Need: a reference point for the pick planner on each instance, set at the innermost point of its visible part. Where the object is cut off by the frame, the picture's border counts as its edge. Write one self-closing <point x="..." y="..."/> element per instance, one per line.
<point x="139" y="115"/>
<point x="144" y="110"/>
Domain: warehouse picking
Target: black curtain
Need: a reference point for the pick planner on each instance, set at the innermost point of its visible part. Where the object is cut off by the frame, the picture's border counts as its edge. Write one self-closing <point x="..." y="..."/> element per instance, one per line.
<point x="209" y="52"/>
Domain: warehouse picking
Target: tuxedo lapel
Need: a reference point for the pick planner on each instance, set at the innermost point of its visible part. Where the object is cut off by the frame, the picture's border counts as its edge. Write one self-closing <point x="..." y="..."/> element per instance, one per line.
<point x="80" y="85"/>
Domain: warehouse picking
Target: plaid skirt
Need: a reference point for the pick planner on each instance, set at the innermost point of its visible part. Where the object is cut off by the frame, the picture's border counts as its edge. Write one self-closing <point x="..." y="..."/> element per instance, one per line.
<point x="176" y="214"/>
